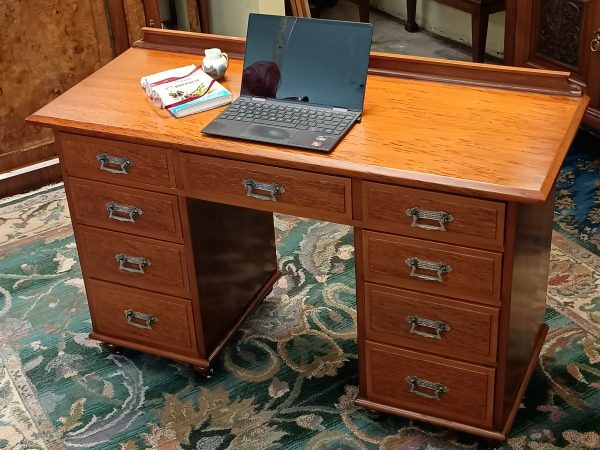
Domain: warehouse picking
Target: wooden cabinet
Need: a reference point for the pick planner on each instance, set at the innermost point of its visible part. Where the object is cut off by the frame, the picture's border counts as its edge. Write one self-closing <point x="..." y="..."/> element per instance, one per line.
<point x="152" y="263"/>
<point x="452" y="222"/>
<point x="558" y="35"/>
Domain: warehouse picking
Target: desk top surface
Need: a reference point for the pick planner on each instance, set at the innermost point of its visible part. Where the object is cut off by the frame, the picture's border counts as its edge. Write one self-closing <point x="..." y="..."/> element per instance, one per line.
<point x="486" y="142"/>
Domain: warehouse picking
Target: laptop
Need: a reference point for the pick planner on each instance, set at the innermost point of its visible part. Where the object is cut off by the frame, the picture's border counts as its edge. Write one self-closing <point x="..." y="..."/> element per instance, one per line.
<point x="303" y="83"/>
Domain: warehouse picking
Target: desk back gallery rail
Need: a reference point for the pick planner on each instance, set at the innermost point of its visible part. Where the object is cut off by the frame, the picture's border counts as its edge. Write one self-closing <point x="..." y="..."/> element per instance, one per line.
<point x="421" y="68"/>
<point x="448" y="182"/>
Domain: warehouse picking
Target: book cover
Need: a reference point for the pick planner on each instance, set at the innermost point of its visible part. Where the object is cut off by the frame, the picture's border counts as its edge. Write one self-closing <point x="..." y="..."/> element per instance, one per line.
<point x="148" y="82"/>
<point x="194" y="93"/>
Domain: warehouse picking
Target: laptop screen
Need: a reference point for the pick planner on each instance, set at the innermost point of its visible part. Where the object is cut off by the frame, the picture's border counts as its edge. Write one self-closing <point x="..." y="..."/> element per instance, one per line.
<point x="315" y="61"/>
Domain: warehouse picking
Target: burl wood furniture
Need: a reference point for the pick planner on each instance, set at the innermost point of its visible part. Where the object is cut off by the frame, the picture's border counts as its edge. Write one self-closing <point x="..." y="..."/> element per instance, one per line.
<point x="452" y="217"/>
<point x="558" y="35"/>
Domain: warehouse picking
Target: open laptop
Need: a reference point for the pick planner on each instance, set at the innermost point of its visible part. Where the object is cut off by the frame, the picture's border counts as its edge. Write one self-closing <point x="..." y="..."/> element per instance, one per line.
<point x="303" y="83"/>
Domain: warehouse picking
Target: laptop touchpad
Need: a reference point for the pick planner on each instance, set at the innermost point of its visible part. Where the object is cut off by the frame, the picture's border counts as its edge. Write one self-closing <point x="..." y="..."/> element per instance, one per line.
<point x="269" y="133"/>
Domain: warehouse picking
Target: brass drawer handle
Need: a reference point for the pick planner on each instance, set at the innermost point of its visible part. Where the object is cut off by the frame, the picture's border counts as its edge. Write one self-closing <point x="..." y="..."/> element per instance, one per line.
<point x="273" y="189"/>
<point x="147" y="320"/>
<point x="437" y="325"/>
<point x="417" y="264"/>
<point x="105" y="160"/>
<point x="441" y="216"/>
<point x="416" y="383"/>
<point x="114" y="209"/>
<point x="595" y="44"/>
<point x="126" y="261"/>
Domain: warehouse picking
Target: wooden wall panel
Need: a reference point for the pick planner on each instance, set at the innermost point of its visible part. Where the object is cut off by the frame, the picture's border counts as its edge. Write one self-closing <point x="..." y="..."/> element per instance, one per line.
<point x="194" y="16"/>
<point x="136" y="19"/>
<point x="46" y="47"/>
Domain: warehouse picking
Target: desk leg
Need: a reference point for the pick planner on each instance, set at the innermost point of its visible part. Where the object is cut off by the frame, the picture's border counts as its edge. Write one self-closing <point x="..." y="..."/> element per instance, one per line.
<point x="235" y="267"/>
<point x="411" y="13"/>
<point x="479" y="29"/>
<point x="363" y="10"/>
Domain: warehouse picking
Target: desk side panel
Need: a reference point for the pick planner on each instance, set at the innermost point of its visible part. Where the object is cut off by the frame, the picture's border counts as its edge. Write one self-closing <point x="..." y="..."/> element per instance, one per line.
<point x="525" y="284"/>
<point x="234" y="257"/>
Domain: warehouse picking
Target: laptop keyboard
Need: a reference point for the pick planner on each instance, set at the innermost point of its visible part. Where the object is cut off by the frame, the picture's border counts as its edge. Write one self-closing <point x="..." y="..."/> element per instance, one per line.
<point x="287" y="116"/>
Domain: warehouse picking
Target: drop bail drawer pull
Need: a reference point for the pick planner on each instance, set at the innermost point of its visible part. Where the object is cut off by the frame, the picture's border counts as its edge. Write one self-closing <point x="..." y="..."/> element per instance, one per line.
<point x="125" y="261"/>
<point x="441" y="216"/>
<point x="416" y="383"/>
<point x="272" y="188"/>
<point x="123" y="163"/>
<point x="595" y="44"/>
<point x="130" y="211"/>
<point x="148" y="320"/>
<point x="416" y="264"/>
<point x="437" y="325"/>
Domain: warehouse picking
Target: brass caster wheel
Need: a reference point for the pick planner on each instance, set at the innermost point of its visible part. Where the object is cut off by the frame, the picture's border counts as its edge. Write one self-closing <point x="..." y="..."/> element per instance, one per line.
<point x="204" y="371"/>
<point x="477" y="442"/>
<point x="111" y="347"/>
<point x="488" y="444"/>
<point x="376" y="416"/>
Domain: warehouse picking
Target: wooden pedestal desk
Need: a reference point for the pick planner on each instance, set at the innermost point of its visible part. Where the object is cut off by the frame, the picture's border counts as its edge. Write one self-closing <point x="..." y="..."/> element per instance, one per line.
<point x="448" y="182"/>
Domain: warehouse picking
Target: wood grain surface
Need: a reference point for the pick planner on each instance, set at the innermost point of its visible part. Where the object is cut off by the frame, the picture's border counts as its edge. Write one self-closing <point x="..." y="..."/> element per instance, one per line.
<point x="166" y="271"/>
<point x="172" y="331"/>
<point x="149" y="165"/>
<point x="469" y="397"/>
<point x="491" y="143"/>
<point x="160" y="212"/>
<point x="479" y="223"/>
<point x="46" y="47"/>
<point x="306" y="194"/>
<point x="475" y="274"/>
<point x="471" y="337"/>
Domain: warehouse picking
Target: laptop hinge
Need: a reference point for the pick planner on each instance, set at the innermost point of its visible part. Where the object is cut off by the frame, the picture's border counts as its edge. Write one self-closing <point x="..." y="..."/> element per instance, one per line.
<point x="344" y="110"/>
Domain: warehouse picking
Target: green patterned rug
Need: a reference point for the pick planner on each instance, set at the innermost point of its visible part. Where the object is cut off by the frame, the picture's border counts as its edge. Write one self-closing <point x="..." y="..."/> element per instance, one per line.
<point x="286" y="381"/>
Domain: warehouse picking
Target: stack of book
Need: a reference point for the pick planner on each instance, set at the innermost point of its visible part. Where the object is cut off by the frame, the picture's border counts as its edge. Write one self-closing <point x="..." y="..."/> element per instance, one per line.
<point x="185" y="90"/>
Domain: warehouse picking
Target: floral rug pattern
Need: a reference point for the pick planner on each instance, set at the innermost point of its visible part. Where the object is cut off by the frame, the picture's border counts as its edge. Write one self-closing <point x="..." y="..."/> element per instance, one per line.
<point x="289" y="377"/>
<point x="577" y="211"/>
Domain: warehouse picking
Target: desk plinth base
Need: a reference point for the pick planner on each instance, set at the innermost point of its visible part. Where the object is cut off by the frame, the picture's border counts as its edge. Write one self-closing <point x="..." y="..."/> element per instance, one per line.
<point x="493" y="434"/>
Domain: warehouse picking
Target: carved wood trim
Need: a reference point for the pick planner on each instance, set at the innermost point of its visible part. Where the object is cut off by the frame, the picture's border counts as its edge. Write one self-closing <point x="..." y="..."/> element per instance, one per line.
<point x="560" y="29"/>
<point x="429" y="69"/>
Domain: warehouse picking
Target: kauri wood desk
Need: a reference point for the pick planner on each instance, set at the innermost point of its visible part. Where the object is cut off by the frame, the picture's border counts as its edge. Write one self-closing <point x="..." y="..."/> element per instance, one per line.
<point x="448" y="182"/>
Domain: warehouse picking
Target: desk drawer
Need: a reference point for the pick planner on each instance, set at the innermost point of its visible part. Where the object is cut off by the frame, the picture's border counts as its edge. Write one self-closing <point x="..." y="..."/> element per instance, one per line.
<point x="267" y="188"/>
<point x="431" y="215"/>
<point x="116" y="162"/>
<point x="430" y="385"/>
<point x="134" y="261"/>
<point x="442" y="269"/>
<point x="432" y="324"/>
<point x="140" y="316"/>
<point x="125" y="209"/>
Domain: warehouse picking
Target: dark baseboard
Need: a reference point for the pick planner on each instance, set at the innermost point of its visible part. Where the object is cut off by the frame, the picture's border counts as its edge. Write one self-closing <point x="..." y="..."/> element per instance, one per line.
<point x="31" y="177"/>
